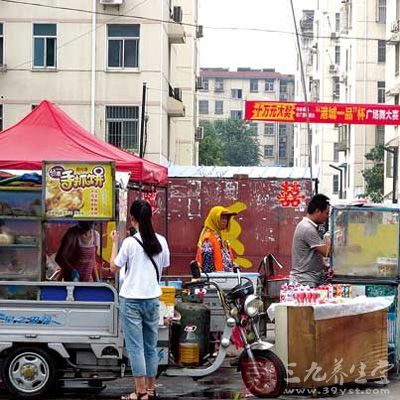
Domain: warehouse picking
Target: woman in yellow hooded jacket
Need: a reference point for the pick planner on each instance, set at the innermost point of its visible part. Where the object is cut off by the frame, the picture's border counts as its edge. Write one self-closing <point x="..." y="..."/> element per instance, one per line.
<point x="213" y="254"/>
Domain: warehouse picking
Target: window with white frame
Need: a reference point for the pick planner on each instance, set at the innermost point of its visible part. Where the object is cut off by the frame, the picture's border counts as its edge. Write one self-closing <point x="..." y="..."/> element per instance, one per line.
<point x="381" y="91"/>
<point x="236" y="93"/>
<point x="123" y="46"/>
<point x="236" y="114"/>
<point x="335" y="184"/>
<point x="122" y="125"/>
<point x="219" y="107"/>
<point x="268" y="150"/>
<point x="381" y="11"/>
<point x="203" y="106"/>
<point x="337" y="55"/>
<point x="206" y="84"/>
<point x="44" y="45"/>
<point x="381" y="51"/>
<point x="219" y="85"/>
<point x="269" y="129"/>
<point x="269" y="85"/>
<point x="335" y="152"/>
<point x="282" y="150"/>
<point x="254" y="127"/>
<point x="380" y="134"/>
<point x="337" y="22"/>
<point x="336" y="87"/>
<point x="254" y="85"/>
<point x="282" y="130"/>
<point x="1" y="45"/>
<point x="1" y="117"/>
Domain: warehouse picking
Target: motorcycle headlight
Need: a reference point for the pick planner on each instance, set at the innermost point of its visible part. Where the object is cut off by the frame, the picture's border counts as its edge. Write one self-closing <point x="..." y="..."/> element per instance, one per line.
<point x="252" y="305"/>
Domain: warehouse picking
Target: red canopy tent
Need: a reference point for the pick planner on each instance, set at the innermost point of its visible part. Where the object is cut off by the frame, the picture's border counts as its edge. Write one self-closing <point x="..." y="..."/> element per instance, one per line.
<point x="49" y="134"/>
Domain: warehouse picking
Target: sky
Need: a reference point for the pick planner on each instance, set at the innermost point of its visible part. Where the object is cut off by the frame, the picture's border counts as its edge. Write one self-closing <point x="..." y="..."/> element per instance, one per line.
<point x="238" y="48"/>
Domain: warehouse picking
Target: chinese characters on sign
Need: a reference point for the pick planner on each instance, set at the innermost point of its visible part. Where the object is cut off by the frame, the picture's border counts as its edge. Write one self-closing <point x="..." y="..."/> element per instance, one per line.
<point x="330" y="113"/>
<point x="79" y="190"/>
<point x="290" y="194"/>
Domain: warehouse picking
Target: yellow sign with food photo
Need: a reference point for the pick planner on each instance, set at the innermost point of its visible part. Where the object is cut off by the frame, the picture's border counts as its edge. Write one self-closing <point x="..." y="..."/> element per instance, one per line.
<point x="79" y="190"/>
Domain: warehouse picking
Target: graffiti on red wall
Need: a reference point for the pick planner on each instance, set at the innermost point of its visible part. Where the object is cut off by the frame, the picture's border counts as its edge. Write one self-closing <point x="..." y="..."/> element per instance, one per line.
<point x="290" y="194"/>
<point x="151" y="197"/>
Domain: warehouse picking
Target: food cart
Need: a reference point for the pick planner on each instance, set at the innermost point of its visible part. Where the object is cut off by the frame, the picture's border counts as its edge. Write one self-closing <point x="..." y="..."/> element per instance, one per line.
<point x="50" y="332"/>
<point x="365" y="242"/>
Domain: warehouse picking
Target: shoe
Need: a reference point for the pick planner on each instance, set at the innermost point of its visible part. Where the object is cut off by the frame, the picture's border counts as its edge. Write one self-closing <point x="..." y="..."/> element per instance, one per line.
<point x="137" y="396"/>
<point x="152" y="394"/>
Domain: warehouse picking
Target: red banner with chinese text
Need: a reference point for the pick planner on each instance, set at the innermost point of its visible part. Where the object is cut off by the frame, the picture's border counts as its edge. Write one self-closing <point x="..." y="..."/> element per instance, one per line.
<point x="328" y="113"/>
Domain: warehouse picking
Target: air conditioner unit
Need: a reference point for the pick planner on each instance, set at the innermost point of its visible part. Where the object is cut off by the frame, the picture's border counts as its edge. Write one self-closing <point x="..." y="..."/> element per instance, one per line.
<point x="199" y="133"/>
<point x="199" y="83"/>
<point x="333" y="68"/>
<point x="177" y="14"/>
<point x="199" y="31"/>
<point x="112" y="2"/>
<point x="178" y="94"/>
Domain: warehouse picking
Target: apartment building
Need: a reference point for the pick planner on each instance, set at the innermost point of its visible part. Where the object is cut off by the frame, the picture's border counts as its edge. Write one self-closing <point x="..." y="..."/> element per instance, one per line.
<point x="392" y="134"/>
<point x="92" y="58"/>
<point x="223" y="96"/>
<point x="348" y="55"/>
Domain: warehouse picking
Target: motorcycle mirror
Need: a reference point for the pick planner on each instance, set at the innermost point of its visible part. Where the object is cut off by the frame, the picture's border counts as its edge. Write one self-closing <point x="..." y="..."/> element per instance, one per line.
<point x="195" y="269"/>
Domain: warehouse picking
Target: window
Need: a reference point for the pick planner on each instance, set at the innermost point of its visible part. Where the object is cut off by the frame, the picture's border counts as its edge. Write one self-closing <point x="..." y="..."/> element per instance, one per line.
<point x="396" y="58"/>
<point x="283" y="87"/>
<point x="219" y="107"/>
<point x="381" y="11"/>
<point x="1" y="117"/>
<point x="336" y="87"/>
<point x="396" y="99"/>
<point x="335" y="152"/>
<point x="123" y="46"/>
<point x="381" y="91"/>
<point x="236" y="114"/>
<point x="282" y="150"/>
<point x="1" y="45"/>
<point x="254" y="127"/>
<point x="219" y="85"/>
<point x="206" y="84"/>
<point x="269" y="85"/>
<point x="268" y="150"/>
<point x="269" y="129"/>
<point x="380" y="134"/>
<point x="253" y="85"/>
<point x="335" y="184"/>
<point x="337" y="55"/>
<point x="282" y="130"/>
<point x="337" y="22"/>
<point x="236" y="93"/>
<point x="203" y="106"/>
<point x="122" y="124"/>
<point x="44" y="45"/>
<point x="381" y="51"/>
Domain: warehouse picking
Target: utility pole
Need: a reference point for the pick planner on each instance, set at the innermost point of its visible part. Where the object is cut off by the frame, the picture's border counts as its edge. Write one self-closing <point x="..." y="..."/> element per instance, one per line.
<point x="142" y="121"/>
<point x="303" y="81"/>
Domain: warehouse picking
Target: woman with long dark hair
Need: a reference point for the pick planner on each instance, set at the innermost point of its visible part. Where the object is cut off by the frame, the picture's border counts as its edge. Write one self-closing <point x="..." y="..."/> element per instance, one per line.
<point x="144" y="256"/>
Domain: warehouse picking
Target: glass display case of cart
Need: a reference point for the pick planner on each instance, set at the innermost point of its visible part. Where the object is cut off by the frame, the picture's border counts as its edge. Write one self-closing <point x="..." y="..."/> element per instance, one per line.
<point x="365" y="242"/>
<point x="20" y="234"/>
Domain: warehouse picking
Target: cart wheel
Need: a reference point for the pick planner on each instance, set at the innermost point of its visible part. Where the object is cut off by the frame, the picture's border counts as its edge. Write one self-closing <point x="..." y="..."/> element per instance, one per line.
<point x="265" y="376"/>
<point x="29" y="372"/>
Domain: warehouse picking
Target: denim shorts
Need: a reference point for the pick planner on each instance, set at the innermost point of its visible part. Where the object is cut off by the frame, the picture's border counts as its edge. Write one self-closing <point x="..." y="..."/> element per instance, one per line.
<point x="140" y="318"/>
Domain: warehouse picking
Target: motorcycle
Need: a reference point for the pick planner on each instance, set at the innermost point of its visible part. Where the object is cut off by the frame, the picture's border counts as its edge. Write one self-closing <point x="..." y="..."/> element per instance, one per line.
<point x="262" y="371"/>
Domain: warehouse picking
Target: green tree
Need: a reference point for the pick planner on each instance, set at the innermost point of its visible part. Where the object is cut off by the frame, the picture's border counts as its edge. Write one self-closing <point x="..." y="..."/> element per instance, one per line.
<point x="210" y="149"/>
<point x="374" y="176"/>
<point x="236" y="141"/>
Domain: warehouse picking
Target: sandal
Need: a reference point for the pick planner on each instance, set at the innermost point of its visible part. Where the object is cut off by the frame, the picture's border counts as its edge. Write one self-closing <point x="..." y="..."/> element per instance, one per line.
<point x="138" y="396"/>
<point x="152" y="394"/>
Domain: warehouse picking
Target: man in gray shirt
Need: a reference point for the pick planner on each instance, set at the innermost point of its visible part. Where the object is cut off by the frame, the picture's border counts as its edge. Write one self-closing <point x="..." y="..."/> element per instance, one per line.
<point x="308" y="249"/>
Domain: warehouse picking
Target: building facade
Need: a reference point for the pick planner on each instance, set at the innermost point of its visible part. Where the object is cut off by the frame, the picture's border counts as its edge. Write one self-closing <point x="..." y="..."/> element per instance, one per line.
<point x="93" y="58"/>
<point x="223" y="96"/>
<point x="348" y="54"/>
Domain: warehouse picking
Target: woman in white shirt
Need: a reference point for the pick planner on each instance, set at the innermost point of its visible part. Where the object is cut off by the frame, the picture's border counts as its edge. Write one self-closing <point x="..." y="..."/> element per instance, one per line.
<point x="144" y="256"/>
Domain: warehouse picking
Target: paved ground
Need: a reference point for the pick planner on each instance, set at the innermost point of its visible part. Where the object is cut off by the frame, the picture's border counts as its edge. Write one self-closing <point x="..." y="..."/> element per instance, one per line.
<point x="227" y="384"/>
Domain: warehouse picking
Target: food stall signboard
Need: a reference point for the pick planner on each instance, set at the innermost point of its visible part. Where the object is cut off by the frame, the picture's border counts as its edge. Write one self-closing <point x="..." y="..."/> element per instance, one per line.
<point x="79" y="190"/>
<point x="328" y="113"/>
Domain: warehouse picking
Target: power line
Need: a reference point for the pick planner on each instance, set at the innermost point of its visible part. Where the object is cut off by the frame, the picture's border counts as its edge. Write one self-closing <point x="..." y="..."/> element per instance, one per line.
<point x="229" y="28"/>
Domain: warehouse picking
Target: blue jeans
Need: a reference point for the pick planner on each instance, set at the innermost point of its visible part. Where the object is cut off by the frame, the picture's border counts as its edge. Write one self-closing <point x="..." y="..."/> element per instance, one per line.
<point x="140" y="318"/>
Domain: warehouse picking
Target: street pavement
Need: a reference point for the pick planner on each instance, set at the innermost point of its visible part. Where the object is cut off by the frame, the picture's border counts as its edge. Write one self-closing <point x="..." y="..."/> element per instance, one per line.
<point x="227" y="384"/>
